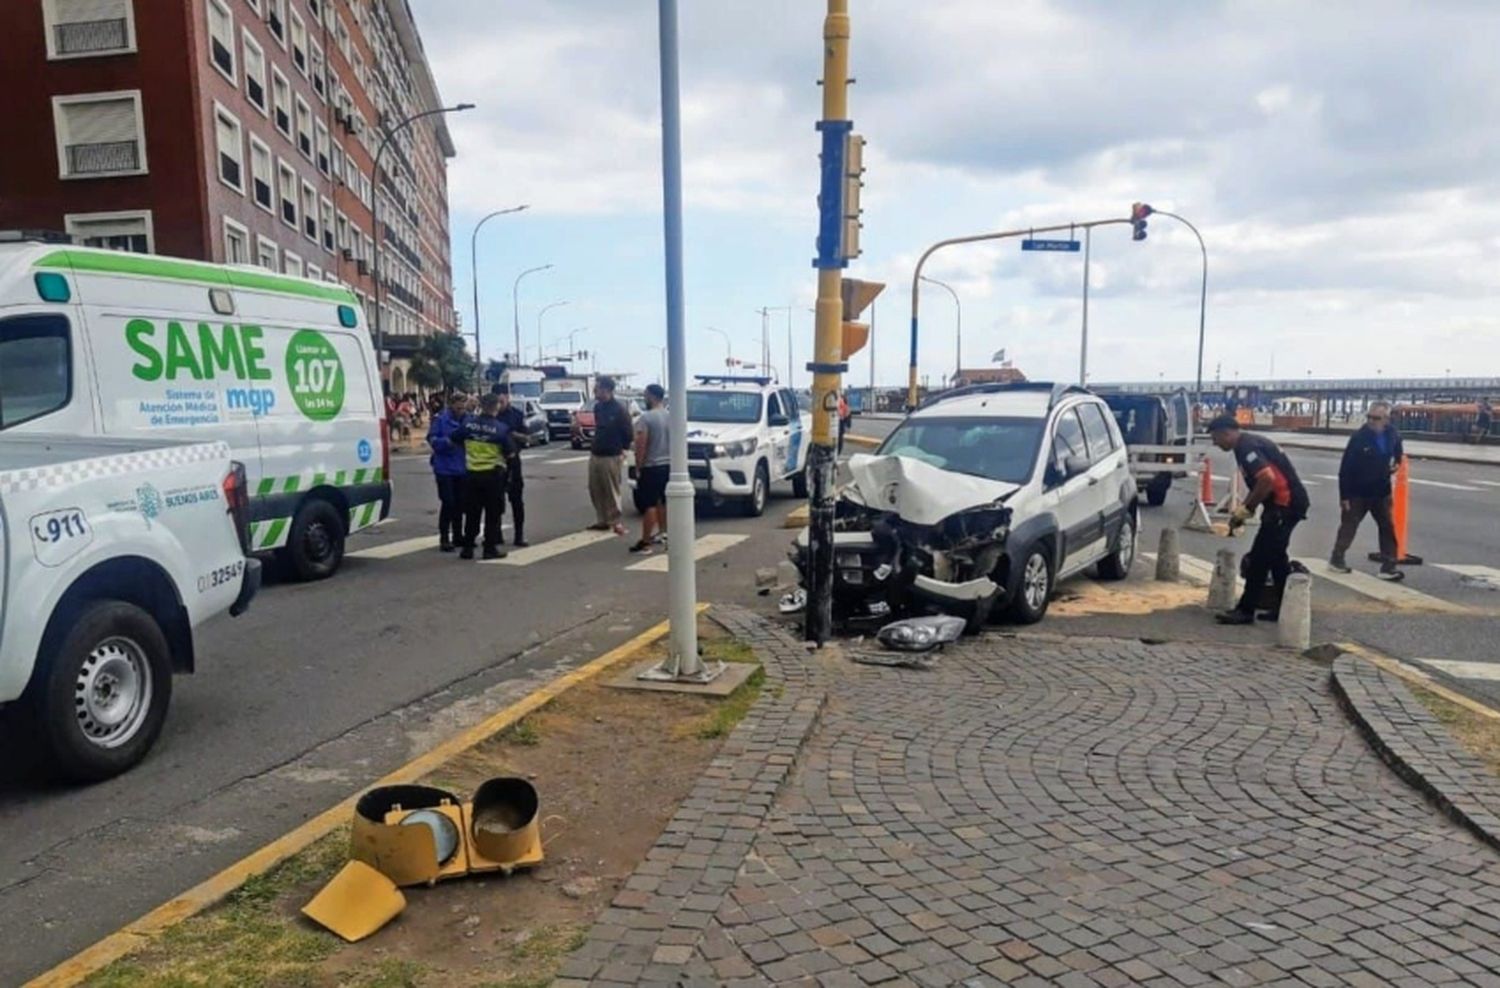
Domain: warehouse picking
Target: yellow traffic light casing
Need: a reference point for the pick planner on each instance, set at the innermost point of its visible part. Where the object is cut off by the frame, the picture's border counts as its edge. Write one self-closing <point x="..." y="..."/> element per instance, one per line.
<point x="857" y="296"/>
<point x="856" y="335"/>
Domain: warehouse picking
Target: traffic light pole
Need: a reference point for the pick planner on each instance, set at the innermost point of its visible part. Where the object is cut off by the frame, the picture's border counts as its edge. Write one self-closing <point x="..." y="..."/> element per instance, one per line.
<point x="916" y="281"/>
<point x="827" y="363"/>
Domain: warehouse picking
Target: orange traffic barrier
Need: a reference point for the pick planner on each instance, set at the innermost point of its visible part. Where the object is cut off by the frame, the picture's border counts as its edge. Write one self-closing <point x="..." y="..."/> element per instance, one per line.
<point x="1206" y="482"/>
<point x="1401" y="514"/>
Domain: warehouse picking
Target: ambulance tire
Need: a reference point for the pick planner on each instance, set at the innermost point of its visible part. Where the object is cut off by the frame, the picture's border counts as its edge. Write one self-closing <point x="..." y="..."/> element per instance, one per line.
<point x="315" y="548"/>
<point x="100" y="702"/>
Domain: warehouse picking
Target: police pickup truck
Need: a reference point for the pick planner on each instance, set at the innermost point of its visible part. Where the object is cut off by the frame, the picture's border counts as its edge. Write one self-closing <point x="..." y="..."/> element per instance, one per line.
<point x="743" y="434"/>
<point x="113" y="551"/>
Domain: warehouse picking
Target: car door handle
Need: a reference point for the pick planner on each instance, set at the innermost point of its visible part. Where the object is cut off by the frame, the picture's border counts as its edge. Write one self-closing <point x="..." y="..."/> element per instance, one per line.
<point x="1093" y="481"/>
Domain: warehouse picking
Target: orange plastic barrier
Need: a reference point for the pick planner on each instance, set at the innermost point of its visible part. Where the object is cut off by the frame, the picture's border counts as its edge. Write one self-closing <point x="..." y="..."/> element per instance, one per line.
<point x="1401" y="505"/>
<point x="1206" y="482"/>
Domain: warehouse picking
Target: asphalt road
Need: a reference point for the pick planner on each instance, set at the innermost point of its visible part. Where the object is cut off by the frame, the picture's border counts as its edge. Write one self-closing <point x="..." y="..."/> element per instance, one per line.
<point x="1443" y="614"/>
<point x="322" y="688"/>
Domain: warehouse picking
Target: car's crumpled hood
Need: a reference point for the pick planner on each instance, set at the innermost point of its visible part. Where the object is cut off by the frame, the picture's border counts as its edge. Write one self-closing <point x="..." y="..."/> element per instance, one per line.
<point x="919" y="492"/>
<point x="721" y="432"/>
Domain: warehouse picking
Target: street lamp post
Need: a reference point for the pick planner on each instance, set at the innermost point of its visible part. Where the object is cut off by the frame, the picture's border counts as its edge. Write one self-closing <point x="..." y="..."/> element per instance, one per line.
<point x="958" y="336"/>
<point x="474" y="269"/>
<point x="375" y="213"/>
<point x="515" y="301"/>
<point x="545" y="309"/>
<point x="662" y="352"/>
<point x="1202" y="302"/>
<point x="728" y="346"/>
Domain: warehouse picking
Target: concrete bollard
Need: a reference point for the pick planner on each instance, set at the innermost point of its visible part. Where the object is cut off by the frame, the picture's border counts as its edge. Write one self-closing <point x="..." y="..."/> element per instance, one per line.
<point x="1168" y="557"/>
<point x="1294" y="628"/>
<point x="1221" y="587"/>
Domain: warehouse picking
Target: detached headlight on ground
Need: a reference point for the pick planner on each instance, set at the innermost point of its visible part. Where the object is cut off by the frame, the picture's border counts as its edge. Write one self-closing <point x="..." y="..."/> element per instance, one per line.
<point x="734" y="450"/>
<point x="922" y="634"/>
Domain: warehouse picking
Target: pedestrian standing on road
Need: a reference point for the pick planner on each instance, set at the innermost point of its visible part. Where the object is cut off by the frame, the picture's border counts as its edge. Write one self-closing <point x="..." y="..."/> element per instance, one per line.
<point x="448" y="470"/>
<point x="1370" y="461"/>
<point x="484" y="438"/>
<point x="843" y="421"/>
<point x="653" y="457"/>
<point x="1276" y="489"/>
<point x="515" y="483"/>
<point x="1483" y="420"/>
<point x="613" y="435"/>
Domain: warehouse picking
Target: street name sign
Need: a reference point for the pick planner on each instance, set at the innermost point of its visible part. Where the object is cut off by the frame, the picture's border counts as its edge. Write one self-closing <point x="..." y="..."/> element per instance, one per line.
<point x="1069" y="246"/>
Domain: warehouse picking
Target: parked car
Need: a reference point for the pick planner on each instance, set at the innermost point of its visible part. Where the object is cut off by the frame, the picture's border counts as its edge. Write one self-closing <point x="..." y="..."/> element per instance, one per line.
<point x="157" y="348"/>
<point x="536" y="423"/>
<point x="983" y="499"/>
<point x="112" y="551"/>
<point x="1151" y="420"/>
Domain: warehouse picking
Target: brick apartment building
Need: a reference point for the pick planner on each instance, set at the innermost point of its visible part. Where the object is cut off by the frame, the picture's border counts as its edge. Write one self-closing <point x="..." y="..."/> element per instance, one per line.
<point x="240" y="131"/>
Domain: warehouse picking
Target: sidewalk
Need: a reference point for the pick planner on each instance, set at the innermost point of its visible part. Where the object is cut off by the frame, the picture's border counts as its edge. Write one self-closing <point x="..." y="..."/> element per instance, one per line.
<point x="1417" y="448"/>
<point x="1066" y="811"/>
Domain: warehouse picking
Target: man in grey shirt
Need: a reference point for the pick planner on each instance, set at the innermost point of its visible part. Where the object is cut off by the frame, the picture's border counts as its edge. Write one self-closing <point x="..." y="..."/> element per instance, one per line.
<point x="653" y="459"/>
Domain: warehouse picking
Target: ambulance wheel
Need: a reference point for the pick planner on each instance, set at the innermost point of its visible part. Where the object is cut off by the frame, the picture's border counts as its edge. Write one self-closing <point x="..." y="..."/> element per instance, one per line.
<point x="799" y="484"/>
<point x="316" y="546"/>
<point x="101" y="700"/>
<point x="755" y="505"/>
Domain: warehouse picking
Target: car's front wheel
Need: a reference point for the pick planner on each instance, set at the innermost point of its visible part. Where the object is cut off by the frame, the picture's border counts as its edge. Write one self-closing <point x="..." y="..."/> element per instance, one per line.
<point x="760" y="487"/>
<point x="103" y="695"/>
<point x="1034" y="592"/>
<point x="1116" y="565"/>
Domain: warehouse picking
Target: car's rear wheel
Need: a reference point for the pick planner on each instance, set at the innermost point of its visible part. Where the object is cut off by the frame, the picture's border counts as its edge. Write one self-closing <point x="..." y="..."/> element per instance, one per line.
<point x="103" y="696"/>
<point x="315" y="548"/>
<point x="760" y="487"/>
<point x="1116" y="565"/>
<point x="1156" y="491"/>
<point x="1034" y="592"/>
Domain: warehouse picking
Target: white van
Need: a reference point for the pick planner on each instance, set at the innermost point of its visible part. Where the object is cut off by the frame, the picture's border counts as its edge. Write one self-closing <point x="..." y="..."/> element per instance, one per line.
<point x="280" y="368"/>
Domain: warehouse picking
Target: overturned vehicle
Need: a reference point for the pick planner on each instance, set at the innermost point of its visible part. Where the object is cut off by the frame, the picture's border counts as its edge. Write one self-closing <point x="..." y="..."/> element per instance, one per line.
<point x="980" y="503"/>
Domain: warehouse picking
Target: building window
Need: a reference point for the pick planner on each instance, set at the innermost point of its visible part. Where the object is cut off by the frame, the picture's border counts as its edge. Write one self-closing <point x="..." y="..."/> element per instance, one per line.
<point x="309" y="212"/>
<point x="236" y="243"/>
<point x="321" y="146"/>
<point x="99" y="135"/>
<point x="255" y="73"/>
<point x="319" y="71"/>
<point x="291" y="263"/>
<point x="314" y="272"/>
<point x="84" y="28"/>
<point x="229" y="139"/>
<point x="286" y="181"/>
<point x="342" y="229"/>
<point x="261" y="175"/>
<point x="281" y="97"/>
<point x="326" y="216"/>
<point x="221" y="38"/>
<point x="299" y="42"/>
<point x="267" y="254"/>
<point x="304" y="128"/>
<point x="341" y="34"/>
<point x="276" y="19"/>
<point x="337" y="162"/>
<point x="127" y="231"/>
<point x="254" y="5"/>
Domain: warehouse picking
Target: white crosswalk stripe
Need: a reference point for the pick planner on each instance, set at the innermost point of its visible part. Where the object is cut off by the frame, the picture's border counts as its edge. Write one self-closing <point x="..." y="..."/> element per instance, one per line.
<point x="1443" y="484"/>
<point x="707" y="545"/>
<point x="405" y="547"/>
<point x="1488" y="483"/>
<point x="552" y="547"/>
<point x="1382" y="590"/>
<point x="1489" y="576"/>
<point x="1487" y="671"/>
<point x="559" y="461"/>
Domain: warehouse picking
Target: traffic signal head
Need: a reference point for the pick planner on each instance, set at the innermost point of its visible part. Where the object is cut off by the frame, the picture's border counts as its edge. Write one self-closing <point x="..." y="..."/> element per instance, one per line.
<point x="855" y="336"/>
<point x="1138" y="213"/>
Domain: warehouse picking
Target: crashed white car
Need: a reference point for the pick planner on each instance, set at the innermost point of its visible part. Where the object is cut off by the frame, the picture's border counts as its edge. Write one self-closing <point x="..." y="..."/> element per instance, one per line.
<point x="983" y="498"/>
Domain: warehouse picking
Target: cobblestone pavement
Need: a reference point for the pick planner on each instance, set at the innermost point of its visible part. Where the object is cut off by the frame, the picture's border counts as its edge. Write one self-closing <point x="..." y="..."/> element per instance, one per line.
<point x="1071" y="812"/>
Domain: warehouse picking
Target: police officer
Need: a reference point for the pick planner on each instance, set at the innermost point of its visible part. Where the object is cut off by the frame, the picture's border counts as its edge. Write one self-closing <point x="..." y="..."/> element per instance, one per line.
<point x="1276" y="489"/>
<point x="515" y="485"/>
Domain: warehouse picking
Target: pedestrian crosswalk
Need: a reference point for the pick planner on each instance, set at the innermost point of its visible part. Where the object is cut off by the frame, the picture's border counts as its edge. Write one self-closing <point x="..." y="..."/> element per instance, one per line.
<point x="552" y="547"/>
<point x="708" y="545"/>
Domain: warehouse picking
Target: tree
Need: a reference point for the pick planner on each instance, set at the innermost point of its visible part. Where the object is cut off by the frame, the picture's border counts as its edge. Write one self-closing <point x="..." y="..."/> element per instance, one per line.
<point x="442" y="362"/>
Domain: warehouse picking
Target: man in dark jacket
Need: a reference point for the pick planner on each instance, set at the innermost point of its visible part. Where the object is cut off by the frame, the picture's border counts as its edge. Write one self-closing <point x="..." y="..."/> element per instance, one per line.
<point x="515" y="484"/>
<point x="1277" y="490"/>
<point x="1370" y="460"/>
<point x="447" y="462"/>
<point x="613" y="435"/>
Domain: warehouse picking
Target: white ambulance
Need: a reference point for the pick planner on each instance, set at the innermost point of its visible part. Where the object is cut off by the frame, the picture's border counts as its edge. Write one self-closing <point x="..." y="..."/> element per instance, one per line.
<point x="280" y="368"/>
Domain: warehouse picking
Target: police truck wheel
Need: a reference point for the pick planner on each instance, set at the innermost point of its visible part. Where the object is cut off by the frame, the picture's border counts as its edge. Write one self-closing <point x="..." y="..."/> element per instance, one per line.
<point x="101" y="700"/>
<point x="799" y="483"/>
<point x="316" y="546"/>
<point x="1035" y="589"/>
<point x="760" y="487"/>
<point x="1156" y="492"/>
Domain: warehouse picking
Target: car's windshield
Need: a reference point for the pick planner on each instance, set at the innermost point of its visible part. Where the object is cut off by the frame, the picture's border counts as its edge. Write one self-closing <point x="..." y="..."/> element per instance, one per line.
<point x="563" y="398"/>
<point x="1001" y="449"/>
<point x="525" y="389"/>
<point x="723" y="406"/>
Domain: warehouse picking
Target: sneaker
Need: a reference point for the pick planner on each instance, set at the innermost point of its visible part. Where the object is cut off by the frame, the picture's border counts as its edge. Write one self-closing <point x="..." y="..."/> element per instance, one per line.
<point x="1391" y="573"/>
<point x="494" y="552"/>
<point x="1338" y="565"/>
<point x="519" y="543"/>
<point x="467" y="552"/>
<point x="445" y="546"/>
<point x="660" y="538"/>
<point x="1235" y="617"/>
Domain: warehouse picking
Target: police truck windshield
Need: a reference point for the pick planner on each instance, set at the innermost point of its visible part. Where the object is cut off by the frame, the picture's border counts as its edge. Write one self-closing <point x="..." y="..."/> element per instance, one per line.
<point x="526" y="389"/>
<point x="723" y="406"/>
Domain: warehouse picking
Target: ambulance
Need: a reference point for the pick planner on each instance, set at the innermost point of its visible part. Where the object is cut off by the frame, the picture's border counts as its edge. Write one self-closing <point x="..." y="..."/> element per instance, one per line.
<point x="280" y="368"/>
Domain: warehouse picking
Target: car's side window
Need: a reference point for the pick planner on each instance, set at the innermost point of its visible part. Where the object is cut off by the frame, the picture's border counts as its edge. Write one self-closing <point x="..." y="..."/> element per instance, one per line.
<point x="1096" y="432"/>
<point x="773" y="407"/>
<point x="790" y="399"/>
<point x="36" y="367"/>
<point x="1067" y="439"/>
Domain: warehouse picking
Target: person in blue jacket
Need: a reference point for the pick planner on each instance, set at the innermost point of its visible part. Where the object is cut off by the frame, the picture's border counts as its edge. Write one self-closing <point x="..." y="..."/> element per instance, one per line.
<point x="448" y="468"/>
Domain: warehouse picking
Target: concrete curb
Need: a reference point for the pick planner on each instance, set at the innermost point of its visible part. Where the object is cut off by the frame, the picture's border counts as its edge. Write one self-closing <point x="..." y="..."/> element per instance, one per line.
<point x="1415" y="744"/>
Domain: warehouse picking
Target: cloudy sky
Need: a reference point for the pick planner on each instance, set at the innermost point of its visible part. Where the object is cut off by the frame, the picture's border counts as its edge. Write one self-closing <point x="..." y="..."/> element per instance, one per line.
<point x="1341" y="158"/>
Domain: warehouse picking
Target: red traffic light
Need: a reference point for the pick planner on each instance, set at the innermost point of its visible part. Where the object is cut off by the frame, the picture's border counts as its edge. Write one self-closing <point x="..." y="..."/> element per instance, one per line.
<point x="1139" y="211"/>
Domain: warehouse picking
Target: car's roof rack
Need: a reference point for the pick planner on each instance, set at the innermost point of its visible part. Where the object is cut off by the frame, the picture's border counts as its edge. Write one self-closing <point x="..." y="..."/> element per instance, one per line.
<point x="731" y="379"/>
<point x="1056" y="392"/>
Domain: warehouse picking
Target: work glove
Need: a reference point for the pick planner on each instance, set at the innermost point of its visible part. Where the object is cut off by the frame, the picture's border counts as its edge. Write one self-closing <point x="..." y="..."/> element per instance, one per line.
<point x="1239" y="516"/>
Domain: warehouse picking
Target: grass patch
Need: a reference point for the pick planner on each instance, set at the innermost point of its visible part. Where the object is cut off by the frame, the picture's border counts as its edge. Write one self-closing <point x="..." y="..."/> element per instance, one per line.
<point x="242" y="941"/>
<point x="733" y="709"/>
<point x="1475" y="733"/>
<point x="523" y="733"/>
<point x="727" y="649"/>
<point x="540" y="955"/>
